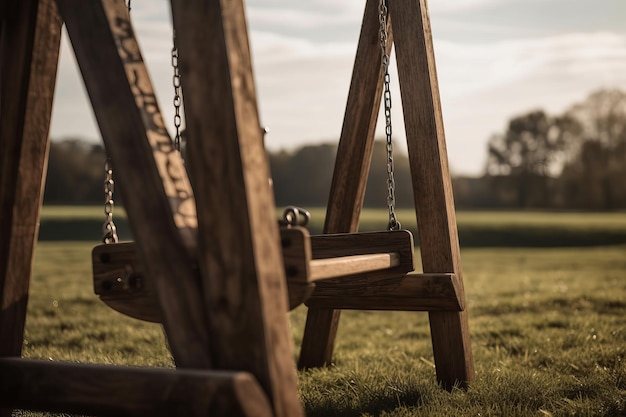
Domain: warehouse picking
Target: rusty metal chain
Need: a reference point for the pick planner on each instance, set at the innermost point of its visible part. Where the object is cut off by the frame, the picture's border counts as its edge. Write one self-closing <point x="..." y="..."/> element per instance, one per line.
<point x="383" y="14"/>
<point x="109" y="231"/>
<point x="177" y="95"/>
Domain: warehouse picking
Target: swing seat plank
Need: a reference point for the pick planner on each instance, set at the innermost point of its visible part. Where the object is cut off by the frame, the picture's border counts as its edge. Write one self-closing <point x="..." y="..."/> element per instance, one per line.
<point x="322" y="269"/>
<point x="120" y="281"/>
<point x="128" y="391"/>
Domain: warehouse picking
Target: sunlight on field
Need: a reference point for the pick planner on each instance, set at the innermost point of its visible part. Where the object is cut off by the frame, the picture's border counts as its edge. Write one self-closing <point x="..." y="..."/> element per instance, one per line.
<point x="547" y="329"/>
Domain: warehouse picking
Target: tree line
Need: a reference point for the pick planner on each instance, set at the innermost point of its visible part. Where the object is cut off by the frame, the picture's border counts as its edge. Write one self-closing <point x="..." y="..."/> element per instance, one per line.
<point x="575" y="160"/>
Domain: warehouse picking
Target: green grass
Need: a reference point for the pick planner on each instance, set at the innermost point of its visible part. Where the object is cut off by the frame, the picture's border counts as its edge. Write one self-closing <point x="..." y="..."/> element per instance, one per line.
<point x="476" y="228"/>
<point x="548" y="330"/>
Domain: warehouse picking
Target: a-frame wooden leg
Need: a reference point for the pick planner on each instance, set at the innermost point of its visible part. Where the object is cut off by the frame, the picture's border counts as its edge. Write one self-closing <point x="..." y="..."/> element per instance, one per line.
<point x="352" y="165"/>
<point x="239" y="254"/>
<point x="153" y="183"/>
<point x="30" y="32"/>
<point x="29" y="48"/>
<point x="432" y="187"/>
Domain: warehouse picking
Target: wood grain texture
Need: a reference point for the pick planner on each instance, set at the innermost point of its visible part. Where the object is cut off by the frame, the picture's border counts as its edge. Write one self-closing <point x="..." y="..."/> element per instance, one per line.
<point x="354" y="155"/>
<point x="354" y="152"/>
<point x="344" y="244"/>
<point x="128" y="391"/>
<point x="29" y="48"/>
<point x="156" y="193"/>
<point x="243" y="279"/>
<point x="120" y="280"/>
<point x="432" y="187"/>
<point x="323" y="269"/>
<point x="376" y="291"/>
<point x="121" y="283"/>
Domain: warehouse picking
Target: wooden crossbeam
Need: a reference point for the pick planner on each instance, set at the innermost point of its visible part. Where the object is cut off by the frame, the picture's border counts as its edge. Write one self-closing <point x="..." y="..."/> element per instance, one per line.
<point x="372" y="291"/>
<point x="128" y="391"/>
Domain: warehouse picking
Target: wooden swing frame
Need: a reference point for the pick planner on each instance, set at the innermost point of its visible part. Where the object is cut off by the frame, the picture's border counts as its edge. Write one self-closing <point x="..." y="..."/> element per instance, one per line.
<point x="222" y="305"/>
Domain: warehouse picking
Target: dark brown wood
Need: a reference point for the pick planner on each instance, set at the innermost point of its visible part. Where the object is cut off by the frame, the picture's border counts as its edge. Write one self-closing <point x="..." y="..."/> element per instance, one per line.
<point x="156" y="193"/>
<point x="128" y="391"/>
<point x="296" y="249"/>
<point x="121" y="283"/>
<point x="239" y="256"/>
<point x="413" y="292"/>
<point x="345" y="244"/>
<point x="432" y="187"/>
<point x="29" y="48"/>
<point x="354" y="156"/>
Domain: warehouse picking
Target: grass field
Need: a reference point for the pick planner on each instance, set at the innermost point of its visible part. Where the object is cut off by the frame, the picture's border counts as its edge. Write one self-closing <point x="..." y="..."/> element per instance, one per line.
<point x="548" y="329"/>
<point x="476" y="228"/>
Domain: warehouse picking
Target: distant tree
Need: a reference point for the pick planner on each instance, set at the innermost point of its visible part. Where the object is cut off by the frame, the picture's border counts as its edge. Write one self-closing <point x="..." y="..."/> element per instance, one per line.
<point x="533" y="149"/>
<point x="533" y="144"/>
<point x="75" y="173"/>
<point x="376" y="189"/>
<point x="303" y="177"/>
<point x="594" y="177"/>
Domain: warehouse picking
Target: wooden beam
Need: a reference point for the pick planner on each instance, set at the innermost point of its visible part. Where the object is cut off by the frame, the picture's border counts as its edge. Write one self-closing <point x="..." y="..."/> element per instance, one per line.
<point x="432" y="187"/>
<point x="243" y="278"/>
<point x="323" y="269"/>
<point x="121" y="282"/>
<point x="352" y="164"/>
<point x="128" y="391"/>
<point x="154" y="186"/>
<point x="29" y="48"/>
<point x="375" y="291"/>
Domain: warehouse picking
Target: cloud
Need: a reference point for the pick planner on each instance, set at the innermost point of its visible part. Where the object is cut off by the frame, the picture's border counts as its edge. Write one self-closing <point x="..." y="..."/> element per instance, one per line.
<point x="289" y="18"/>
<point x="447" y="6"/>
<point x="303" y="54"/>
<point x="470" y="68"/>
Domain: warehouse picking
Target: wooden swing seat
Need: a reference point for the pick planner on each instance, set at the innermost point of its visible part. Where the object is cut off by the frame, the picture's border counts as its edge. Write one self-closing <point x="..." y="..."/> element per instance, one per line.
<point x="369" y="265"/>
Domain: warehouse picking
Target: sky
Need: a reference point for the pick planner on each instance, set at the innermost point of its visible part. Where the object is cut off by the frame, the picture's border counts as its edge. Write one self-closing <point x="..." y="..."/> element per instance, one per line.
<point x="496" y="59"/>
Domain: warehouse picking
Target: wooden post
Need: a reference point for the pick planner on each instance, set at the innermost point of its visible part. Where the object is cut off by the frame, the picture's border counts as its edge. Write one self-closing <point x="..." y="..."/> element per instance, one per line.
<point x="156" y="193"/>
<point x="434" y="204"/>
<point x="30" y="33"/>
<point x="243" y="279"/>
<point x="105" y="390"/>
<point x="29" y="48"/>
<point x="352" y="165"/>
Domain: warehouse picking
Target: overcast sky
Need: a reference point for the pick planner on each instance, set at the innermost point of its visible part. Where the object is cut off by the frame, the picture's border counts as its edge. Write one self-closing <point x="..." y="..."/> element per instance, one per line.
<point x="495" y="59"/>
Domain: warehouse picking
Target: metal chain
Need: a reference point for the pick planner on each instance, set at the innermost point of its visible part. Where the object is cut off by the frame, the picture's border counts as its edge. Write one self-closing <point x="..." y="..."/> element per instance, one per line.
<point x="177" y="95"/>
<point x="109" y="231"/>
<point x="383" y="14"/>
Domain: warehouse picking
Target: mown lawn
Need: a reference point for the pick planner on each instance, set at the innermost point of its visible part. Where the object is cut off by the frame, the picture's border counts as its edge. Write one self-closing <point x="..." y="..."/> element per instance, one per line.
<point x="476" y="228"/>
<point x="548" y="329"/>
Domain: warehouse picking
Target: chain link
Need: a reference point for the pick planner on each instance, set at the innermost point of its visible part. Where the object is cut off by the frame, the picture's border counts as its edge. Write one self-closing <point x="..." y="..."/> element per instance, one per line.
<point x="383" y="14"/>
<point x="109" y="231"/>
<point x="177" y="95"/>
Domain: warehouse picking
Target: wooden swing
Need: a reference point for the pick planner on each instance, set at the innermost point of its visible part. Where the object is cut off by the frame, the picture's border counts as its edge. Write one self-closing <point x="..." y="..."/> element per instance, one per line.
<point x="120" y="282"/>
<point x="222" y="305"/>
